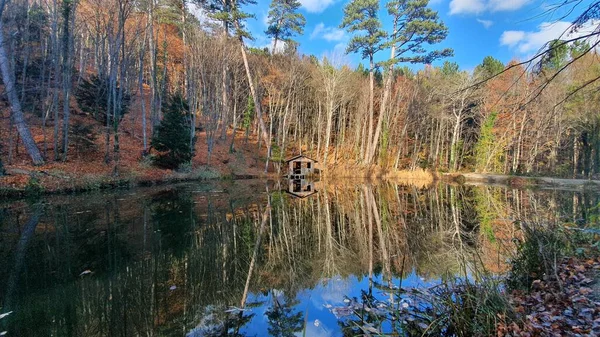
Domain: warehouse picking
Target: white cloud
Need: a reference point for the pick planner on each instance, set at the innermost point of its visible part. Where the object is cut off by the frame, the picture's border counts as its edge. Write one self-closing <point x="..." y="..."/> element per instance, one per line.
<point x="328" y="33"/>
<point x="316" y="6"/>
<point x="340" y="48"/>
<point x="506" y="5"/>
<point x="486" y="23"/>
<point x="530" y="42"/>
<point x="481" y="6"/>
<point x="467" y="6"/>
<point x="511" y="37"/>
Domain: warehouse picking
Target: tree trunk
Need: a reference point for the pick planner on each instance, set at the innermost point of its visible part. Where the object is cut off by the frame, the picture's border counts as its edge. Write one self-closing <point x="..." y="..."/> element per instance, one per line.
<point x="17" y="113"/>
<point x="66" y="73"/>
<point x="384" y="102"/>
<point x="368" y="155"/>
<point x="257" y="106"/>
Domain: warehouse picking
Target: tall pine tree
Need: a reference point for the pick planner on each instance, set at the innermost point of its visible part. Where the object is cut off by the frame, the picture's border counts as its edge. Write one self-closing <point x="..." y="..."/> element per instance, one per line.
<point x="360" y="18"/>
<point x="284" y="21"/>
<point x="415" y="26"/>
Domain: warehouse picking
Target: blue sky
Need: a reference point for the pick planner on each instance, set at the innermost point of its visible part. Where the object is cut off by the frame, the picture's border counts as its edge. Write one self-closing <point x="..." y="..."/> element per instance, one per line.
<point x="504" y="29"/>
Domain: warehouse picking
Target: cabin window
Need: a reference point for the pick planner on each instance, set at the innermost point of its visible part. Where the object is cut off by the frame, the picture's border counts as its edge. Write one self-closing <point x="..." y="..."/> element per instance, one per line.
<point x="308" y="165"/>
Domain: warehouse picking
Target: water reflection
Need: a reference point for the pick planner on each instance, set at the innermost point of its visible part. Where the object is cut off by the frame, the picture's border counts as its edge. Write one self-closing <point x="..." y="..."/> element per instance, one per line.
<point x="245" y="259"/>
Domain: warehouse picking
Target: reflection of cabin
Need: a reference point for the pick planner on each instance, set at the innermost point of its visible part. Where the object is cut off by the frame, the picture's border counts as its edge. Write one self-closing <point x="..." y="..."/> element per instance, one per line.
<point x="301" y="188"/>
<point x="300" y="167"/>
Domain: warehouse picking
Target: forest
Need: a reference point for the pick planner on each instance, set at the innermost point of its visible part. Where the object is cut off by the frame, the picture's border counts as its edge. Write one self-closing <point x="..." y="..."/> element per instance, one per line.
<point x="114" y="87"/>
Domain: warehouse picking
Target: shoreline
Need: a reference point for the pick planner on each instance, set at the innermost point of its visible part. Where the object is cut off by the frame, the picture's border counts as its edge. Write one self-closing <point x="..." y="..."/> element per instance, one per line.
<point x="103" y="183"/>
<point x="82" y="184"/>
<point x="478" y="179"/>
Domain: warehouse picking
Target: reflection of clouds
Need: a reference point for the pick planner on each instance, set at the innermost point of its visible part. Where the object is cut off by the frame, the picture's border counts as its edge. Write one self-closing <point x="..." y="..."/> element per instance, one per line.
<point x="331" y="291"/>
<point x="316" y="331"/>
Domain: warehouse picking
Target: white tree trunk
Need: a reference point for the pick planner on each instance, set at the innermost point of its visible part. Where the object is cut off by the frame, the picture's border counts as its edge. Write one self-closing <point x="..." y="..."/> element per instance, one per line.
<point x="17" y="113"/>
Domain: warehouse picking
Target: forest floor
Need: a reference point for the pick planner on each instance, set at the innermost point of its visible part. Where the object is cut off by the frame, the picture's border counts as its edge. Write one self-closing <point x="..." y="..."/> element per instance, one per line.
<point x="567" y="305"/>
<point x="85" y="168"/>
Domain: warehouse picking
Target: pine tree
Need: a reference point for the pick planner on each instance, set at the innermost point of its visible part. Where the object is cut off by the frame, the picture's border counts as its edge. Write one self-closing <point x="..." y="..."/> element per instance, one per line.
<point x="92" y="95"/>
<point x="172" y="136"/>
<point x="414" y="27"/>
<point x="489" y="67"/>
<point x="361" y="16"/>
<point x="284" y="21"/>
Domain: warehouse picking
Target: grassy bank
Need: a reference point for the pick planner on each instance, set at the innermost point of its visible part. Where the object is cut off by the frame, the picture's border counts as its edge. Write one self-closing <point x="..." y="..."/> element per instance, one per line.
<point x="551" y="289"/>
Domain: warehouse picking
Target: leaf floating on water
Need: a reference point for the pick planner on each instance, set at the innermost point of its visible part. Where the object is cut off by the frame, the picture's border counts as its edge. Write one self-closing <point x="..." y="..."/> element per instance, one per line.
<point x="6" y="314"/>
<point x="3" y="333"/>
<point x="173" y="288"/>
<point x="328" y="306"/>
<point x="86" y="272"/>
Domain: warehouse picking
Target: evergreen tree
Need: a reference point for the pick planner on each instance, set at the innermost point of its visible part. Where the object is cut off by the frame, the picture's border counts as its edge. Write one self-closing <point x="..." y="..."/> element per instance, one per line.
<point x="361" y="16"/>
<point x="230" y="14"/>
<point x="489" y="67"/>
<point x="284" y="21"/>
<point x="415" y="27"/>
<point x="92" y="96"/>
<point x="450" y="68"/>
<point x="172" y="136"/>
<point x="556" y="56"/>
<point x="579" y="48"/>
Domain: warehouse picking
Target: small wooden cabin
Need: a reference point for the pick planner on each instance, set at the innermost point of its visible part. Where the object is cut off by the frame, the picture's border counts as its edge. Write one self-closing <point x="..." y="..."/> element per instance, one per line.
<point x="301" y="166"/>
<point x="301" y="188"/>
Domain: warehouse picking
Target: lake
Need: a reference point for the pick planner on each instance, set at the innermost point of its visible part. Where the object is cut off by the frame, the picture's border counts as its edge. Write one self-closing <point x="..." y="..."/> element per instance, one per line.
<point x="247" y="258"/>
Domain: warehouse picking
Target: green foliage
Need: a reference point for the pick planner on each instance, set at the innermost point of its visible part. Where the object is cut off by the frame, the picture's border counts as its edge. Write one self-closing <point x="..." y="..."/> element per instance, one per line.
<point x="460" y="307"/>
<point x="449" y="68"/>
<point x="536" y="256"/>
<point x="284" y="20"/>
<point x="361" y="16"/>
<point x="259" y="51"/>
<point x="486" y="202"/>
<point x="172" y="136"/>
<point x="578" y="48"/>
<point x="230" y="14"/>
<point x="276" y="154"/>
<point x="489" y="67"/>
<point x="92" y="97"/>
<point x="419" y="26"/>
<point x="33" y="187"/>
<point x="556" y="56"/>
<point x="248" y="114"/>
<point x="486" y="157"/>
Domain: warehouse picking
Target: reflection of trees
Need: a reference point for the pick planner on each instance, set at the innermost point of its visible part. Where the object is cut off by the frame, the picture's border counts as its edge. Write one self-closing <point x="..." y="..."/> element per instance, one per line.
<point x="172" y="262"/>
<point x="283" y="319"/>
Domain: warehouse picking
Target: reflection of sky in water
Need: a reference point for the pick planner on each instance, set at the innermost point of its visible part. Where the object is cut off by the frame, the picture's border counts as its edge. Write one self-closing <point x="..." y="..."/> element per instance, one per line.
<point x="319" y="301"/>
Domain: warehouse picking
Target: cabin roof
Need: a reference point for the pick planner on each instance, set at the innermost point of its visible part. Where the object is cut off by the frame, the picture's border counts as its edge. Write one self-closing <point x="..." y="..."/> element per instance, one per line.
<point x="300" y="156"/>
<point x="301" y="195"/>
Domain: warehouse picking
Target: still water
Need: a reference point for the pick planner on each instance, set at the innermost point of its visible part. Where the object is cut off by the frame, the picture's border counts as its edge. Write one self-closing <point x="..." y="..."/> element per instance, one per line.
<point x="246" y="258"/>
